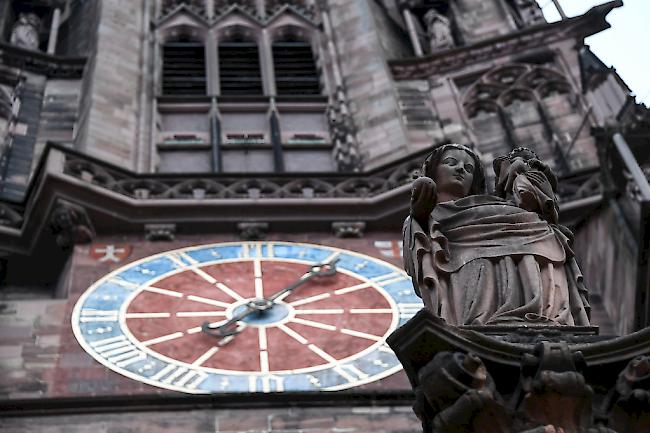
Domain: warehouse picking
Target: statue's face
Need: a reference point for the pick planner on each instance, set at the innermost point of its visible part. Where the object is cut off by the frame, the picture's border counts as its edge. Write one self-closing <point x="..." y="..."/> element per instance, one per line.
<point x="455" y="173"/>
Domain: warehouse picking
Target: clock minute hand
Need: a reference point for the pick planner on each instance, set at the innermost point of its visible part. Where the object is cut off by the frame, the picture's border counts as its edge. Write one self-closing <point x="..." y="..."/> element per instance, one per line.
<point x="316" y="271"/>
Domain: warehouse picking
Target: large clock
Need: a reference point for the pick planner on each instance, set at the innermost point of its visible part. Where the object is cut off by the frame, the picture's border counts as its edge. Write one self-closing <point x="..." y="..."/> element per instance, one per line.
<point x="247" y="317"/>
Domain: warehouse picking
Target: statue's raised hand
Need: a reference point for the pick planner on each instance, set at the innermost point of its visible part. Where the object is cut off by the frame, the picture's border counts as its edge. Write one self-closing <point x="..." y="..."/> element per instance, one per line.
<point x="424" y="197"/>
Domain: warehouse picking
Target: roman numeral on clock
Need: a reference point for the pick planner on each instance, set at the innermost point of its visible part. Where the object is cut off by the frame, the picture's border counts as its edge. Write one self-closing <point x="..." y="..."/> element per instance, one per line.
<point x="350" y="372"/>
<point x="118" y="350"/>
<point x="268" y="383"/>
<point x="180" y="376"/>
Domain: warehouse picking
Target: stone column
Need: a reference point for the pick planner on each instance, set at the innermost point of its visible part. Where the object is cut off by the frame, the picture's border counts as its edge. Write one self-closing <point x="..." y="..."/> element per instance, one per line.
<point x="413" y="35"/>
<point x="54" y="31"/>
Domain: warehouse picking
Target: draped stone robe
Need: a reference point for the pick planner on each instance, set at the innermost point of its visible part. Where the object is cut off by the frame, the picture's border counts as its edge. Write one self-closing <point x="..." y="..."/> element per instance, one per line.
<point x="482" y="261"/>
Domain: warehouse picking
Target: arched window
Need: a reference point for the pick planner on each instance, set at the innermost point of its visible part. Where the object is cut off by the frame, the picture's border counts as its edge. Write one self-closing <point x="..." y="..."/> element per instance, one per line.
<point x="295" y="68"/>
<point x="534" y="107"/>
<point x="183" y="68"/>
<point x="239" y="65"/>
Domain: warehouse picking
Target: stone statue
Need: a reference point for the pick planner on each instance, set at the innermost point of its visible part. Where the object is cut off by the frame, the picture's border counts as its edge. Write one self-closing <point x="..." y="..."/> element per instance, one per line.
<point x="25" y="31"/>
<point x="438" y="31"/>
<point x="478" y="259"/>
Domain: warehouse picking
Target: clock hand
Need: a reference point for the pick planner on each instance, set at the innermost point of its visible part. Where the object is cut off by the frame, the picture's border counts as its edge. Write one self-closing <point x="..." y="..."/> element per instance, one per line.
<point x="260" y="305"/>
<point x="228" y="328"/>
<point x="316" y="271"/>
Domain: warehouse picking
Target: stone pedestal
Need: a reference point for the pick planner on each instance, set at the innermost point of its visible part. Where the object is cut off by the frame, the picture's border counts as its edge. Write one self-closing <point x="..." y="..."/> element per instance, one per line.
<point x="525" y="379"/>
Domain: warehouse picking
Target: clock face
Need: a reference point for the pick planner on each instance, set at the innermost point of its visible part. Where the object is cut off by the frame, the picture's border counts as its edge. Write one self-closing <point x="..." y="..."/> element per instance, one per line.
<point x="248" y="317"/>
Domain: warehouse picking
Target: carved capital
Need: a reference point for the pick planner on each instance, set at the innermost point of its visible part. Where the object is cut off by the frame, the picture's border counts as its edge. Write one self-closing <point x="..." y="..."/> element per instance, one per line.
<point x="160" y="232"/>
<point x="253" y="230"/>
<point x="348" y="229"/>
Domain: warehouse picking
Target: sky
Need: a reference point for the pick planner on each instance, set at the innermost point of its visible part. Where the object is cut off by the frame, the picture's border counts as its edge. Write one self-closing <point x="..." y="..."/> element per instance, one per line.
<point x="625" y="46"/>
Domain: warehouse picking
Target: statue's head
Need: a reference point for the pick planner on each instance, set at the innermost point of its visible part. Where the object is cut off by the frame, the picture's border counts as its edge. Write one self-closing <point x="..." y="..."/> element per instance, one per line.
<point x="456" y="168"/>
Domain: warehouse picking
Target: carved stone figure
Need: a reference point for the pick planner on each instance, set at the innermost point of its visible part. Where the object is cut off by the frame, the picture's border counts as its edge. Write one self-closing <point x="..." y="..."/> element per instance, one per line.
<point x="438" y="31"/>
<point x="477" y="259"/>
<point x="25" y="31"/>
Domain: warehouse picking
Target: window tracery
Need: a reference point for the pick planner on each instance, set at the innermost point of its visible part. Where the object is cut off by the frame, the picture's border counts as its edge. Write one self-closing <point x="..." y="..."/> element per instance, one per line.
<point x="528" y="105"/>
<point x="263" y="107"/>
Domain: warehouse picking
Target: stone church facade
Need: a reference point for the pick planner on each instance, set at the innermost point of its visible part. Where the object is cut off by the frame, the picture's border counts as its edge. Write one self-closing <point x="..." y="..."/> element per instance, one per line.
<point x="135" y="130"/>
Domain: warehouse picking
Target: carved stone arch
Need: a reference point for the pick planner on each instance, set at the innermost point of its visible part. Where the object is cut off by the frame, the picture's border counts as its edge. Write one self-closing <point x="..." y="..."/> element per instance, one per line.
<point x="238" y="32"/>
<point x="473" y="107"/>
<point x="539" y="75"/>
<point x="517" y="93"/>
<point x="481" y="91"/>
<point x="171" y="7"/>
<point x="236" y="15"/>
<point x="295" y="31"/>
<point x="558" y="86"/>
<point x="182" y="25"/>
<point x="506" y="75"/>
<point x="291" y="14"/>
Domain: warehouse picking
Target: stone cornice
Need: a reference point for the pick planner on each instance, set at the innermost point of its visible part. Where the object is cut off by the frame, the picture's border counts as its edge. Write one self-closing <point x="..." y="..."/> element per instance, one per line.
<point x="117" y="200"/>
<point x="527" y="39"/>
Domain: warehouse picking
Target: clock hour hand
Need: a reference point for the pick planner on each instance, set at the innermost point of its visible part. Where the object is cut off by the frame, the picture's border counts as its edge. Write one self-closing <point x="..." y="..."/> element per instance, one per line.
<point x="231" y="327"/>
<point x="316" y="271"/>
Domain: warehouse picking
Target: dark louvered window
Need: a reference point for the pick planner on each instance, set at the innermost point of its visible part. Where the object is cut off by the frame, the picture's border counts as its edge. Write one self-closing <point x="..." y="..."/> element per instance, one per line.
<point x="184" y="69"/>
<point x="295" y="69"/>
<point x="239" y="69"/>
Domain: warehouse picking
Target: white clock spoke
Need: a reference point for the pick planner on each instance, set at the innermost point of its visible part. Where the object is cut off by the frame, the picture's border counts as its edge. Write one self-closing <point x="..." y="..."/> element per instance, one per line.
<point x="293" y="334"/>
<point x="230" y="292"/>
<point x="201" y="314"/>
<point x="208" y="301"/>
<point x="146" y="315"/>
<point x="207" y="355"/>
<point x="310" y="299"/>
<point x="163" y="338"/>
<point x="323" y="311"/>
<point x="370" y="311"/>
<point x="194" y="267"/>
<point x="165" y="292"/>
<point x="313" y="324"/>
<point x="264" y="361"/>
<point x="361" y="334"/>
<point x="320" y="352"/>
<point x="257" y="272"/>
<point x="354" y="288"/>
<point x="194" y="330"/>
<point x="261" y="332"/>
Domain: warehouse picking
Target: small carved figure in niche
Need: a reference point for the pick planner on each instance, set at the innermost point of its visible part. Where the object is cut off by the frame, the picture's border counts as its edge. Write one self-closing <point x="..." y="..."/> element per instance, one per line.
<point x="477" y="259"/>
<point x="528" y="182"/>
<point x="438" y="31"/>
<point x="25" y="32"/>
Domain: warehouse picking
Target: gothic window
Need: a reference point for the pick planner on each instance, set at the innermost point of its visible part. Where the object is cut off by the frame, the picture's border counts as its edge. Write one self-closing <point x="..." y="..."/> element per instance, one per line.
<point x="262" y="108"/>
<point x="183" y="68"/>
<point x="239" y="67"/>
<point x="533" y="106"/>
<point x="295" y="68"/>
